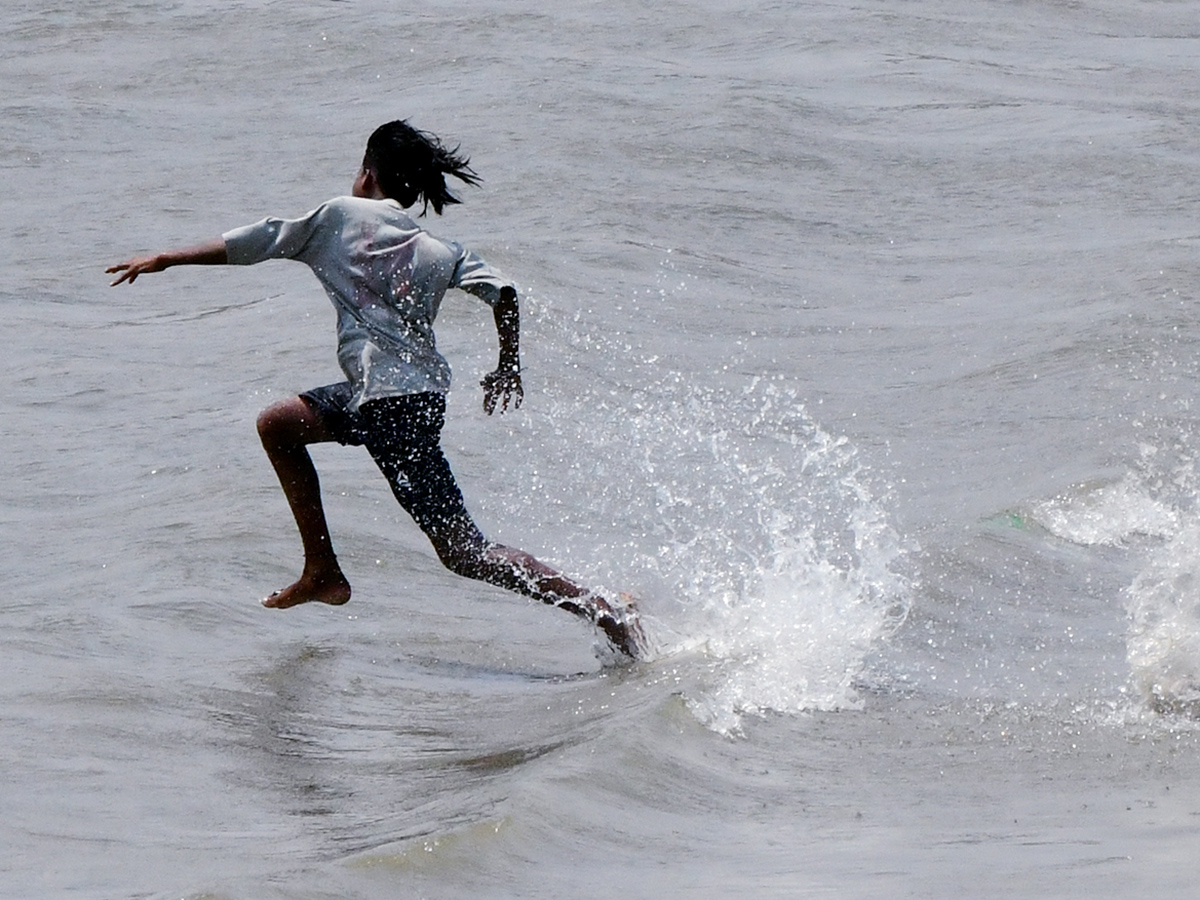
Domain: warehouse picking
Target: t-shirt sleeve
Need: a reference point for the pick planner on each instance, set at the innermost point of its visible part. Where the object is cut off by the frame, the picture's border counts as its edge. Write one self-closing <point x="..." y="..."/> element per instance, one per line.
<point x="475" y="276"/>
<point x="273" y="238"/>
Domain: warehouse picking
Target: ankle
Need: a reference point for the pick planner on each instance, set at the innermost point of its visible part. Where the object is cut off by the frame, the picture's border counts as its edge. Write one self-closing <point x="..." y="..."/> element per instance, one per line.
<point x="321" y="564"/>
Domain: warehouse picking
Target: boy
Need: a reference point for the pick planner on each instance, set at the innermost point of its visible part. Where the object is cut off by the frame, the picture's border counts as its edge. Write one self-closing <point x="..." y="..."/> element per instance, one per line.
<point x="386" y="277"/>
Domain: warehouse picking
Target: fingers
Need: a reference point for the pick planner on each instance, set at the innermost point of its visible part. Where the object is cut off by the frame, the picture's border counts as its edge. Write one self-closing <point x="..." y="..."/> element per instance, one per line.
<point x="509" y="399"/>
<point x="492" y="397"/>
<point x="128" y="273"/>
<point x="505" y="397"/>
<point x="504" y="388"/>
<point x="132" y="268"/>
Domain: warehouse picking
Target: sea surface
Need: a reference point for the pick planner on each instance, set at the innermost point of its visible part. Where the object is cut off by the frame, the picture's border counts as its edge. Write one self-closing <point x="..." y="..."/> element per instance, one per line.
<point x="861" y="342"/>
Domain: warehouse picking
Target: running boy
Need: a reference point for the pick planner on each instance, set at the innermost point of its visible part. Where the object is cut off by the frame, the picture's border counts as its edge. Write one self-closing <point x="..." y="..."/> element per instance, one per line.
<point x="386" y="277"/>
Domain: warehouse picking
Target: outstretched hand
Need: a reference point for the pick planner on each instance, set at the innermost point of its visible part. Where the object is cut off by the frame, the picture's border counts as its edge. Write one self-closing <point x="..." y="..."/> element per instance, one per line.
<point x="503" y="387"/>
<point x="212" y="253"/>
<point x="132" y="268"/>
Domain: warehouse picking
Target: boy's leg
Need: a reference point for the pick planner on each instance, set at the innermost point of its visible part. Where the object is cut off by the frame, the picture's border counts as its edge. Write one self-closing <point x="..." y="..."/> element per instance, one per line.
<point x="286" y="429"/>
<point x="518" y="571"/>
<point x="405" y="444"/>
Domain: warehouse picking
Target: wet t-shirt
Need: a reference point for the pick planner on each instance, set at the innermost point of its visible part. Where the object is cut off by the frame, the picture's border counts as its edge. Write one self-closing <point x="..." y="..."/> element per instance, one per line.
<point x="386" y="277"/>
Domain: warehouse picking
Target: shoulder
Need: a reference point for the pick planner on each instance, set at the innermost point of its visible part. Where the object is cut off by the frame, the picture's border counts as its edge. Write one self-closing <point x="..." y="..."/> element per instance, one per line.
<point x="367" y="209"/>
<point x="334" y="208"/>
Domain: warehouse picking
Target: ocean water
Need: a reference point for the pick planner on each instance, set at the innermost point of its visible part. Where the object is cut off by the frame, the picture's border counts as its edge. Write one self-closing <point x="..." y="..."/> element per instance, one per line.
<point x="860" y="342"/>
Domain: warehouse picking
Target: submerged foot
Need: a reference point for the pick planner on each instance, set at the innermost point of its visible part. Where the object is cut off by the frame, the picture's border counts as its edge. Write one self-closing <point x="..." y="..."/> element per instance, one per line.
<point x="623" y="627"/>
<point x="330" y="587"/>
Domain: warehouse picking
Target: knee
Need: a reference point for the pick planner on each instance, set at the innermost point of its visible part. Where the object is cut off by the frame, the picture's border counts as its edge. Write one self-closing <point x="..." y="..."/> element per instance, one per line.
<point x="462" y="560"/>
<point x="269" y="426"/>
<point x="465" y="552"/>
<point x="282" y="424"/>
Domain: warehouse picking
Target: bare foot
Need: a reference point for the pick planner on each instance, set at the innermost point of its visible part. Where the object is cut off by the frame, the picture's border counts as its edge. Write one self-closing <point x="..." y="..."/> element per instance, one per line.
<point x="320" y="586"/>
<point x="622" y="626"/>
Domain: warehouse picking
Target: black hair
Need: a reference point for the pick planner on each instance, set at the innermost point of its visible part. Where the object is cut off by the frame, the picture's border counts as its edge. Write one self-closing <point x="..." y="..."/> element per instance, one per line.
<point x="412" y="165"/>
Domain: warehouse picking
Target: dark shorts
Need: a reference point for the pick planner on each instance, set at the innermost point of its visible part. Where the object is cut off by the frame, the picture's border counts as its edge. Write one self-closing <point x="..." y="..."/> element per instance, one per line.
<point x="403" y="436"/>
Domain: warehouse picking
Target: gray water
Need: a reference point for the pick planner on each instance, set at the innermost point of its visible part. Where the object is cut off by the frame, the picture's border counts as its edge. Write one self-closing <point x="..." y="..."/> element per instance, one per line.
<point x="859" y="341"/>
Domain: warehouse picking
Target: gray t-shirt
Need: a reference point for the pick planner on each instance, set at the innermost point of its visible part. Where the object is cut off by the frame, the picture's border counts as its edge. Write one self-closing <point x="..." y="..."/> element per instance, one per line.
<point x="386" y="278"/>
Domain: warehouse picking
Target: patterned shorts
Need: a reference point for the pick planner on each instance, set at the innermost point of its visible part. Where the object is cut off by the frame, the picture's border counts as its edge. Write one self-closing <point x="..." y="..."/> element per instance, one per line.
<point x="403" y="436"/>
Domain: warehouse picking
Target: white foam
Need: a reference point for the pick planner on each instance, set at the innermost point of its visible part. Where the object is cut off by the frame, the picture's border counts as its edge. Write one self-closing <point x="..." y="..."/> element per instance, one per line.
<point x="783" y="558"/>
<point x="1107" y="514"/>
<point x="1153" y="501"/>
<point x="1164" y="637"/>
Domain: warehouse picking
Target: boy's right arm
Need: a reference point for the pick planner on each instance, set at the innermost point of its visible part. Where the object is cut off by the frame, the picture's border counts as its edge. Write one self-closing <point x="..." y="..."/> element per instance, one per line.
<point x="211" y="253"/>
<point x="503" y="387"/>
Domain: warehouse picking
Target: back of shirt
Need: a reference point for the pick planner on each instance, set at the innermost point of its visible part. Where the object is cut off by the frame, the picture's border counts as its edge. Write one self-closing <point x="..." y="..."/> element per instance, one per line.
<point x="386" y="278"/>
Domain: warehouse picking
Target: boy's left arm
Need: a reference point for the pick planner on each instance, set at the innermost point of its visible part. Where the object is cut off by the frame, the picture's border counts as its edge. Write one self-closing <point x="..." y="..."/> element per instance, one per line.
<point x="211" y="253"/>
<point x="503" y="386"/>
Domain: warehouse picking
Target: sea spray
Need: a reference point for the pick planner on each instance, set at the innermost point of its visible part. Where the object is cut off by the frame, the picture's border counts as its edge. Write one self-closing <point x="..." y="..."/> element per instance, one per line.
<point x="1110" y="514"/>
<point x="1152" y="507"/>
<point x="1163" y="646"/>
<point x="1164" y="633"/>
<point x="749" y="530"/>
<point x="795" y="640"/>
<point x="806" y="562"/>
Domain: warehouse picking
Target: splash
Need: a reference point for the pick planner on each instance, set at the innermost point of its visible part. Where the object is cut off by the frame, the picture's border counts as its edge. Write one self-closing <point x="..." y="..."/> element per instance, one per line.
<point x="1164" y="638"/>
<point x="1108" y="514"/>
<point x="1163" y="647"/>
<point x="795" y="639"/>
<point x="792" y="567"/>
<point x="1154" y="502"/>
<point x="755" y="536"/>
